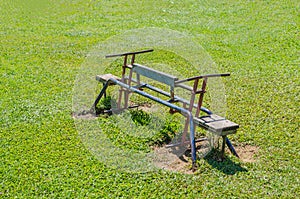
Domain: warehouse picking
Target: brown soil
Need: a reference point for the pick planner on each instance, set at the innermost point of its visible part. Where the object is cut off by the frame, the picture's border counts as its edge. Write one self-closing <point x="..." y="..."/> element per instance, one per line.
<point x="183" y="164"/>
<point x="178" y="165"/>
<point x="246" y="152"/>
<point x="171" y="162"/>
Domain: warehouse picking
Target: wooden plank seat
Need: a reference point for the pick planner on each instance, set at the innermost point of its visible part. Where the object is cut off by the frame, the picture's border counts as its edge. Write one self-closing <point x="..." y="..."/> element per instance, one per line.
<point x="104" y="78"/>
<point x="216" y="124"/>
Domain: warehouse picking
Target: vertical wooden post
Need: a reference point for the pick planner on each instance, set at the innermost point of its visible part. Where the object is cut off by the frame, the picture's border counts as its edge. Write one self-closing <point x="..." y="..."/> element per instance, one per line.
<point x="126" y="95"/>
<point x="223" y="147"/>
<point x="122" y="80"/>
<point x="200" y="100"/>
<point x="187" y="122"/>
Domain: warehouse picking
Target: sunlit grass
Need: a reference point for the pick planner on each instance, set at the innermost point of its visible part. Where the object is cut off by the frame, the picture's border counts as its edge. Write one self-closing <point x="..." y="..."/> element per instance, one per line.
<point x="43" y="47"/>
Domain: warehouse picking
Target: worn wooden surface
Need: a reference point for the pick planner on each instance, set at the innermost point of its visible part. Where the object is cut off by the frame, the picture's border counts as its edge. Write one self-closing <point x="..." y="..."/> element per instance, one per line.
<point x="217" y="124"/>
<point x="104" y="78"/>
<point x="155" y="75"/>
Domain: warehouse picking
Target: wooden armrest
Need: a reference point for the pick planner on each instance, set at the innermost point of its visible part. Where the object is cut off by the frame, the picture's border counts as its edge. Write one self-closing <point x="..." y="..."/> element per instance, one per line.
<point x="201" y="77"/>
<point x="128" y="53"/>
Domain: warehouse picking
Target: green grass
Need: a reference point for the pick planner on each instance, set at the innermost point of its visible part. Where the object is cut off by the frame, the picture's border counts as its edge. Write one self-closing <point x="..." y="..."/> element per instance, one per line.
<point x="42" y="47"/>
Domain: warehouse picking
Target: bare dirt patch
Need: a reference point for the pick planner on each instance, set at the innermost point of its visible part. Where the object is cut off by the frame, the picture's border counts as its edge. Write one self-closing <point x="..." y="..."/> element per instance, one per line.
<point x="246" y="152"/>
<point x="182" y="164"/>
<point x="169" y="161"/>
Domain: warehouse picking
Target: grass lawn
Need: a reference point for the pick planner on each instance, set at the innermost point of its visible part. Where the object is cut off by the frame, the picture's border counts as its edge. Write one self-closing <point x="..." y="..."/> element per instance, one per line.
<point x="44" y="43"/>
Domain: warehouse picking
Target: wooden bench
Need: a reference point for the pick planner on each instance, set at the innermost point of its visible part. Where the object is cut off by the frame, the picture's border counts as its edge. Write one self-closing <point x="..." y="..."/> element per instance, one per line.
<point x="211" y="122"/>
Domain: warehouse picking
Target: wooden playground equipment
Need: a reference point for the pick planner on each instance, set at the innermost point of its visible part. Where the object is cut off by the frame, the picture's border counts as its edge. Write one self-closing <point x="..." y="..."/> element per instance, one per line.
<point x="190" y="108"/>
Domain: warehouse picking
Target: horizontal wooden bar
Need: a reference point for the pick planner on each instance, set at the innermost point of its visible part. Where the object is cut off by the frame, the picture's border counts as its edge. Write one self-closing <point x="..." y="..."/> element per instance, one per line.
<point x="129" y="53"/>
<point x="185" y="87"/>
<point x="201" y="77"/>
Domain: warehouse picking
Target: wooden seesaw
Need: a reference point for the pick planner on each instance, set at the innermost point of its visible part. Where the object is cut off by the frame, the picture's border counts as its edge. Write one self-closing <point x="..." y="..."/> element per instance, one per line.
<point x="211" y="122"/>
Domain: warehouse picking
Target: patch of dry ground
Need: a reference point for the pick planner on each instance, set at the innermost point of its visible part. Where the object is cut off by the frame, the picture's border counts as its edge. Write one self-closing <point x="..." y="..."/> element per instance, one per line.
<point x="246" y="152"/>
<point x="183" y="163"/>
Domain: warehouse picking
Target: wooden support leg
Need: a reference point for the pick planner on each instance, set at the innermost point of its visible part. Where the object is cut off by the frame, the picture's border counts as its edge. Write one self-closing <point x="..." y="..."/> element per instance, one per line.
<point x="223" y="147"/>
<point x="104" y="91"/>
<point x="120" y="98"/>
<point x="126" y="98"/>
<point x="231" y="148"/>
<point x="93" y="108"/>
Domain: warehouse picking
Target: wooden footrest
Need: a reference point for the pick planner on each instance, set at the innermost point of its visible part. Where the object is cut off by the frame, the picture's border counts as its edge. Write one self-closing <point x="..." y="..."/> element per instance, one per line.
<point x="104" y="78"/>
<point x="217" y="124"/>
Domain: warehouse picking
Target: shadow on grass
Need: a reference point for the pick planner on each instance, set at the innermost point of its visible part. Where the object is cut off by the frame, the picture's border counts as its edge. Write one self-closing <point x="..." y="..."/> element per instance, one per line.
<point x="227" y="166"/>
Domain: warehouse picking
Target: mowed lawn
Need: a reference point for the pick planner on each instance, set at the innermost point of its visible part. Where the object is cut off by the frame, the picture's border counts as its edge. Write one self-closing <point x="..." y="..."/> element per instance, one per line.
<point x="44" y="43"/>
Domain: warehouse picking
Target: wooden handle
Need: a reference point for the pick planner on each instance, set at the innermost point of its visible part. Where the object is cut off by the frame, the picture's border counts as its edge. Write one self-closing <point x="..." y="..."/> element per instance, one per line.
<point x="129" y="53"/>
<point x="202" y="76"/>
